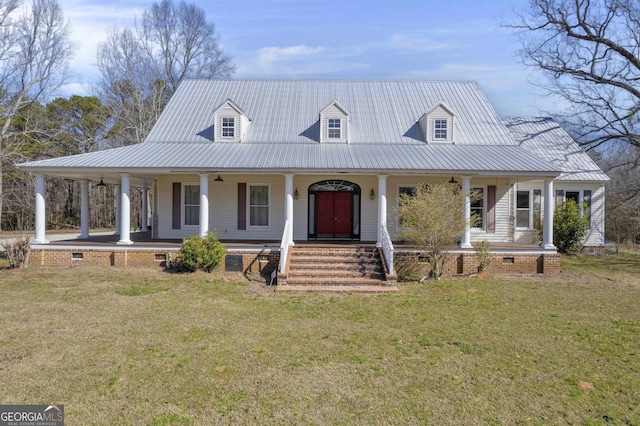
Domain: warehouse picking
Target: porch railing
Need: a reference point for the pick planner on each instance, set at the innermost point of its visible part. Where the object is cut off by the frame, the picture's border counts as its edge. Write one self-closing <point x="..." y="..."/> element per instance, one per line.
<point x="284" y="246"/>
<point x="387" y="248"/>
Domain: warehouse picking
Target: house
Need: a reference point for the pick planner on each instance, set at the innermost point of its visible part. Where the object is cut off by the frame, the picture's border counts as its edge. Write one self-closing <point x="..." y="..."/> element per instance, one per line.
<point x="297" y="161"/>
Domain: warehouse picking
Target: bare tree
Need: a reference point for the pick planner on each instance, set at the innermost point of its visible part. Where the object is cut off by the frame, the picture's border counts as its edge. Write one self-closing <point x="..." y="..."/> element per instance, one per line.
<point x="34" y="53"/>
<point x="433" y="221"/>
<point x="141" y="67"/>
<point x="589" y="54"/>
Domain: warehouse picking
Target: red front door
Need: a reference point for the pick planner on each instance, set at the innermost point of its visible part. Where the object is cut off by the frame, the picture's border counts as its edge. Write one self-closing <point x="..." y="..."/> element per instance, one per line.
<point x="334" y="214"/>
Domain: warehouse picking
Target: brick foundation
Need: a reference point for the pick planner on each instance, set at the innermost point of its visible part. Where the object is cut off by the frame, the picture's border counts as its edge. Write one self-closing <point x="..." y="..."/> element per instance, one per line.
<point x="265" y="262"/>
<point x="259" y="263"/>
<point x="411" y="264"/>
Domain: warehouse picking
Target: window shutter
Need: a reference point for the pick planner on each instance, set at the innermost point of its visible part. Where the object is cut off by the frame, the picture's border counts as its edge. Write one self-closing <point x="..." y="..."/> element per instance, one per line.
<point x="177" y="205"/>
<point x="559" y="197"/>
<point x="491" y="208"/>
<point x="242" y="206"/>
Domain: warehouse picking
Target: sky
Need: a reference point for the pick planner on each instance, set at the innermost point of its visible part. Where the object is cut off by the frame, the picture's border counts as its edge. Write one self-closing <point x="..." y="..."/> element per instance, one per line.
<point x="348" y="39"/>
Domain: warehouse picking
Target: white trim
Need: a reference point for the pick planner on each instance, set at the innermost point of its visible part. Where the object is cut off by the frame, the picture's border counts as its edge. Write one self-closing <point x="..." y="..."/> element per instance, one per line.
<point x="227" y="127"/>
<point x="329" y="128"/>
<point x="399" y="228"/>
<point x="269" y="206"/>
<point x="484" y="207"/>
<point x="183" y="194"/>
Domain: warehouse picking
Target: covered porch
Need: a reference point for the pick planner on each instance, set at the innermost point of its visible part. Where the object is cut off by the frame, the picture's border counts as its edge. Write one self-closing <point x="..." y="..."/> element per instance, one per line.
<point x="260" y="258"/>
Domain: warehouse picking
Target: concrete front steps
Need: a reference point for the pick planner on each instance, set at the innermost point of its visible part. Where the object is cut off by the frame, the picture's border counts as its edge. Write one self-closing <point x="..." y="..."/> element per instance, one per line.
<point x="336" y="269"/>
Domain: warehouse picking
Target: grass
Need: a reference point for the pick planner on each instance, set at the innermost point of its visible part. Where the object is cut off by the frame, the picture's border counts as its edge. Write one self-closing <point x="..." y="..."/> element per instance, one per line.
<point x="125" y="346"/>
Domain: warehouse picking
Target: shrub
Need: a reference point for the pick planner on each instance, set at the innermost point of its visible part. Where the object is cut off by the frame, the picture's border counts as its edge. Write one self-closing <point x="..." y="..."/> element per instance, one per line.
<point x="569" y="227"/>
<point x="18" y="251"/>
<point x="484" y="256"/>
<point x="204" y="253"/>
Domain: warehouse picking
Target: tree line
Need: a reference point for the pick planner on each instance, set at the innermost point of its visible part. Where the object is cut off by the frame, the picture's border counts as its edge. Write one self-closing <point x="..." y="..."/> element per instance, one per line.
<point x="139" y="67"/>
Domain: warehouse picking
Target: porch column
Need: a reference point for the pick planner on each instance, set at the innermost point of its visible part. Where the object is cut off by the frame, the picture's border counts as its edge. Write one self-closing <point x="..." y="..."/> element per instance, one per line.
<point x="204" y="204"/>
<point x="143" y="213"/>
<point x="466" y="213"/>
<point x="40" y="212"/>
<point x="382" y="206"/>
<point x="84" y="209"/>
<point x="118" y="195"/>
<point x="547" y="229"/>
<point x="125" y="211"/>
<point x="288" y="205"/>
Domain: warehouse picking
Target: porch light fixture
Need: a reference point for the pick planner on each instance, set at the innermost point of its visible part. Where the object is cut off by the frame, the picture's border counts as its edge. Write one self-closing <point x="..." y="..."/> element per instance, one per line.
<point x="295" y="194"/>
<point x="452" y="181"/>
<point x="101" y="183"/>
<point x="372" y="194"/>
<point x="218" y="179"/>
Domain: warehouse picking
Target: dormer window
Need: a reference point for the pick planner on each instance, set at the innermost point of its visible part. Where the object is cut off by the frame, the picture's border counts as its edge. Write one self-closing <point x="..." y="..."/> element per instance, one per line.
<point x="334" y="123"/>
<point x="438" y="124"/>
<point x="228" y="127"/>
<point x="440" y="129"/>
<point x="333" y="127"/>
<point x="231" y="124"/>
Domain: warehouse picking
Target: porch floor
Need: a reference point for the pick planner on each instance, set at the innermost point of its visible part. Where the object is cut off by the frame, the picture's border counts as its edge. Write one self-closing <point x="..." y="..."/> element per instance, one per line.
<point x="143" y="240"/>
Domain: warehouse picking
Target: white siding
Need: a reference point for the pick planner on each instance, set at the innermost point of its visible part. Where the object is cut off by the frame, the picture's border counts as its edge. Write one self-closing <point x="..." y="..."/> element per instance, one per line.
<point x="223" y="207"/>
<point x="595" y="235"/>
<point x="502" y="205"/>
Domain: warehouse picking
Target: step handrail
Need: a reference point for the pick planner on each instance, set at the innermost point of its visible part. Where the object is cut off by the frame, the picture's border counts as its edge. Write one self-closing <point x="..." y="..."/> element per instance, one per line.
<point x="387" y="248"/>
<point x="284" y="246"/>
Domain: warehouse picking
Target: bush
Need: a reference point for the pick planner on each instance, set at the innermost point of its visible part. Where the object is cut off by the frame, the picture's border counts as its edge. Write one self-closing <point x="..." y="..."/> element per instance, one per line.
<point x="204" y="253"/>
<point x="484" y="255"/>
<point x="569" y="227"/>
<point x="18" y="251"/>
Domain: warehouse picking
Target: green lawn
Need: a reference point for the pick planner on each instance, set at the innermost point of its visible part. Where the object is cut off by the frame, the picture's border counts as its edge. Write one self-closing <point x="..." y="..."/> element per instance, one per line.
<point x="124" y="346"/>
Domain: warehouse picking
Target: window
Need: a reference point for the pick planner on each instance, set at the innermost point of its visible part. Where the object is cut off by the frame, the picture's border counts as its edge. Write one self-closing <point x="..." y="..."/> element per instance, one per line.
<point x="477" y="207"/>
<point x="537" y="208"/>
<point x="523" y="204"/>
<point x="440" y="129"/>
<point x="228" y="127"/>
<point x="529" y="209"/>
<point x="405" y="191"/>
<point x="258" y="205"/>
<point x="191" y="205"/>
<point x="584" y="206"/>
<point x="333" y="128"/>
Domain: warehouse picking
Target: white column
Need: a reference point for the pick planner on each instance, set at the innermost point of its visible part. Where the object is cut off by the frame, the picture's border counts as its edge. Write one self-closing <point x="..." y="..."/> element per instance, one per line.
<point x="549" y="201"/>
<point x="125" y="211"/>
<point x="40" y="212"/>
<point x="204" y="204"/>
<point x="466" y="212"/>
<point x="382" y="206"/>
<point x="84" y="209"/>
<point x="288" y="205"/>
<point x="118" y="203"/>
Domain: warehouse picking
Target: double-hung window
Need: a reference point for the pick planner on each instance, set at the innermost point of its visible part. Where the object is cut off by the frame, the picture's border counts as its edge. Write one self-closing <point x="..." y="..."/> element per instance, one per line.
<point x="477" y="207"/>
<point x="334" y="128"/>
<point x="191" y="205"/>
<point x="528" y="209"/>
<point x="228" y="127"/>
<point x="259" y="205"/>
<point x="440" y="129"/>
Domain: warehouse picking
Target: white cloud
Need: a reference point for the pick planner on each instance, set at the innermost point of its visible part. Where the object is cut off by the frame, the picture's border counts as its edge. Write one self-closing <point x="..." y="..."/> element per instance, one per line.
<point x="298" y="61"/>
<point x="270" y="55"/>
<point x="89" y="22"/>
